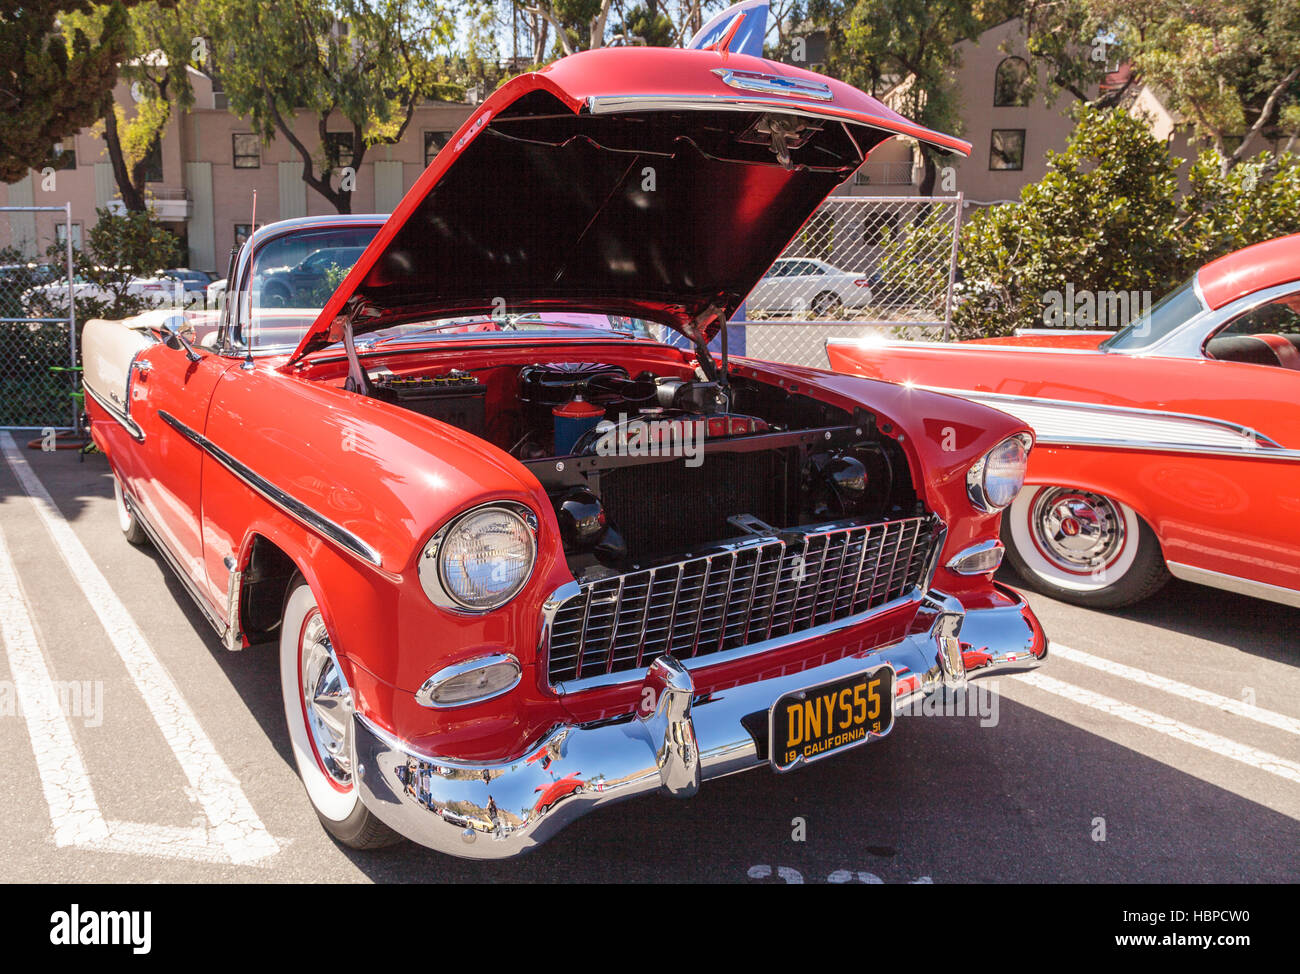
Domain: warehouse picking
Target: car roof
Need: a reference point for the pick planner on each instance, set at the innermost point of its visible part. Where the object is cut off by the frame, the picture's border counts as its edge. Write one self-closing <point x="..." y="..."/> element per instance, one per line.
<point x="1249" y="270"/>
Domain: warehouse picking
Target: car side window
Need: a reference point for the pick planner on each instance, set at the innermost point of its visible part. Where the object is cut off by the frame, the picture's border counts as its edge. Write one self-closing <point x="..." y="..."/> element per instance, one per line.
<point x="1268" y="334"/>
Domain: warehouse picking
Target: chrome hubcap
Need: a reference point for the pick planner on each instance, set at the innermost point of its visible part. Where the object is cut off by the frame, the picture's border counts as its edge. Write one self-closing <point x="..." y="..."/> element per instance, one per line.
<point x="1078" y="530"/>
<point x="327" y="701"/>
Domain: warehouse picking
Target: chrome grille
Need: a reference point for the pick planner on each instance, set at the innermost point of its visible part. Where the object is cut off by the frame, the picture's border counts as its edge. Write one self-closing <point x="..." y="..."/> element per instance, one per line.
<point x="744" y="594"/>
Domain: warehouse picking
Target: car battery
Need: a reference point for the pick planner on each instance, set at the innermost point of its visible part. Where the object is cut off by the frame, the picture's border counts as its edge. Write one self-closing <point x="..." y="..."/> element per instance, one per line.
<point x="455" y="398"/>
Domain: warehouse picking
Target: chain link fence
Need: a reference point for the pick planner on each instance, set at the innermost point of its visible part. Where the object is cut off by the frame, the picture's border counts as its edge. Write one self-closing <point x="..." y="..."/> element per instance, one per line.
<point x="38" y="324"/>
<point x="859" y="265"/>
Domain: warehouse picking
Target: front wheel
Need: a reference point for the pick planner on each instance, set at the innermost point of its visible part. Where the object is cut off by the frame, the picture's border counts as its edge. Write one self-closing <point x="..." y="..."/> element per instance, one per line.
<point x="826" y="304"/>
<point x="1082" y="547"/>
<point x="318" y="711"/>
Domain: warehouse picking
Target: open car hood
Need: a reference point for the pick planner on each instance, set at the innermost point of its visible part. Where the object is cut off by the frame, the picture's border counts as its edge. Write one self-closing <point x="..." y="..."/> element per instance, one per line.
<point x="654" y="183"/>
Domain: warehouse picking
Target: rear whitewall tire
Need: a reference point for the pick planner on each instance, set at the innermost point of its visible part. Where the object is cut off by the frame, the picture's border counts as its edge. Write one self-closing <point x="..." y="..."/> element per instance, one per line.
<point x="126" y="519"/>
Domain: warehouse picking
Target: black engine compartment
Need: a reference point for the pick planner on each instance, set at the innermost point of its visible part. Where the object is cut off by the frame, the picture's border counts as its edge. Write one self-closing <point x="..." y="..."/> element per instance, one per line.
<point x="644" y="467"/>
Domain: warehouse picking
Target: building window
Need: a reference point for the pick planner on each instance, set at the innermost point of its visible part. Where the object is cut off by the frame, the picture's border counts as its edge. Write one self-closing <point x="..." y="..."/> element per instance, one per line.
<point x="1011" y="83"/>
<point x="153" y="168"/>
<point x="433" y="143"/>
<point x="1007" y="149"/>
<point x="338" y="149"/>
<point x="61" y="235"/>
<point x="65" y="155"/>
<point x="247" y="150"/>
<point x="242" y="231"/>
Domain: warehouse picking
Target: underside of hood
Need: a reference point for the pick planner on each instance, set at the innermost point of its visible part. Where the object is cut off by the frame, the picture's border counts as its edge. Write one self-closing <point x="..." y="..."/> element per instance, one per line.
<point x="603" y="186"/>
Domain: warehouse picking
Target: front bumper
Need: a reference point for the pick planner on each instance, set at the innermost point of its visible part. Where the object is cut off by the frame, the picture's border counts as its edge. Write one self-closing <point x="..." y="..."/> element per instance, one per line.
<point x="501" y="810"/>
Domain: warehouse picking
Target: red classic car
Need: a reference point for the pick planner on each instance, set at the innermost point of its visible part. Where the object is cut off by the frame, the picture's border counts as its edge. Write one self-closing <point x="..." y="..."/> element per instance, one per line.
<point x="1169" y="447"/>
<point x="482" y="525"/>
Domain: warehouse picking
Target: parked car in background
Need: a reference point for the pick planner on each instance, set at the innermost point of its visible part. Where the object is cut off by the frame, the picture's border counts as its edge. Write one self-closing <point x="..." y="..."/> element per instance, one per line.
<point x="496" y="608"/>
<point x="1169" y="447"/>
<point x="158" y="289"/>
<point x="803" y="285"/>
<point x="306" y="284"/>
<point x="195" y="282"/>
<point x="215" y="293"/>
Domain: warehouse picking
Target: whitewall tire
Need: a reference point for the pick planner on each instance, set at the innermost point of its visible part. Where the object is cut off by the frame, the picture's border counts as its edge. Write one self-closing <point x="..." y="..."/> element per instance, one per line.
<point x="126" y="519"/>
<point x="1082" y="547"/>
<point x="318" y="713"/>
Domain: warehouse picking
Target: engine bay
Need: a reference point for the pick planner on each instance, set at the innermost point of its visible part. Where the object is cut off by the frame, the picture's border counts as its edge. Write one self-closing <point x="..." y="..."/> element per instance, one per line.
<point x="642" y="464"/>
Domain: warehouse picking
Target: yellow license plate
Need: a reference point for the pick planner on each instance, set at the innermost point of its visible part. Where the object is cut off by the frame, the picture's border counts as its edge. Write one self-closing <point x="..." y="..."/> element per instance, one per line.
<point x="808" y="725"/>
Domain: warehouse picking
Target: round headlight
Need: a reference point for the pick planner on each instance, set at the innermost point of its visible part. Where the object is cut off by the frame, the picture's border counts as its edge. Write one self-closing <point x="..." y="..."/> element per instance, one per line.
<point x="997" y="477"/>
<point x="482" y="559"/>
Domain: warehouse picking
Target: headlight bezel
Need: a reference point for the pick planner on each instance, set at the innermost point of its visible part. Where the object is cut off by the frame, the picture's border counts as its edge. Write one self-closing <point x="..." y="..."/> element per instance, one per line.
<point x="427" y="695"/>
<point x="430" y="567"/>
<point x="976" y="476"/>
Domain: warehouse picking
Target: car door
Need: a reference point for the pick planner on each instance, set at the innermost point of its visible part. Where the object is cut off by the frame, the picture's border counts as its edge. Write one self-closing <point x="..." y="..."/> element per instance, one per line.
<point x="169" y="402"/>
<point x="1252" y="377"/>
<point x="767" y="292"/>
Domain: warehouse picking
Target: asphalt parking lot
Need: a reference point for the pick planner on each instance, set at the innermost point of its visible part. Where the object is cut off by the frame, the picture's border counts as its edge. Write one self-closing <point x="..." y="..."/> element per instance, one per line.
<point x="1161" y="744"/>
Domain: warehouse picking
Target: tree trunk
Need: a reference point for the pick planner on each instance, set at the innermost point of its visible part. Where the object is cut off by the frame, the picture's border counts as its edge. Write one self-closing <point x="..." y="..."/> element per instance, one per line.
<point x="929" y="174"/>
<point x="132" y="193"/>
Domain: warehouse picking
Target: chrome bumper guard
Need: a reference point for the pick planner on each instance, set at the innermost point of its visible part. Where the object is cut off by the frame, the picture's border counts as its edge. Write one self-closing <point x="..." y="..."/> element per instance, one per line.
<point x="501" y="810"/>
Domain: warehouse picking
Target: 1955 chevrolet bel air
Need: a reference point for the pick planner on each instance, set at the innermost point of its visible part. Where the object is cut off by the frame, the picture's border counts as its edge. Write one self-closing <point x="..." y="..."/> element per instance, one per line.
<point x="521" y="559"/>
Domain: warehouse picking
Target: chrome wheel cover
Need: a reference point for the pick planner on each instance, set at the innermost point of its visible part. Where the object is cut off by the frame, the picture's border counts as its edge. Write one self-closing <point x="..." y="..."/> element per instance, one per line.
<point x="327" y="701"/>
<point x="1077" y="530"/>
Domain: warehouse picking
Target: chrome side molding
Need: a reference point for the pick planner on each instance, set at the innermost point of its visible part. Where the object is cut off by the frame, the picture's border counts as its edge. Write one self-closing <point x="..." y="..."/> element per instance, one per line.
<point x="282" y="499"/>
<point x="1234" y="583"/>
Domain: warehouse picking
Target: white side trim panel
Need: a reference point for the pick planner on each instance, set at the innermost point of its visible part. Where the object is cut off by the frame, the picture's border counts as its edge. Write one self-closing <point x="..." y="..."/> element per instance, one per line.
<point x="1129" y="427"/>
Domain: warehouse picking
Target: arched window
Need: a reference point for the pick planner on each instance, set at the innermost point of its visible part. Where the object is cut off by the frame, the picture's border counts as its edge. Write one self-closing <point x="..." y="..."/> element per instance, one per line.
<point x="1011" y="83"/>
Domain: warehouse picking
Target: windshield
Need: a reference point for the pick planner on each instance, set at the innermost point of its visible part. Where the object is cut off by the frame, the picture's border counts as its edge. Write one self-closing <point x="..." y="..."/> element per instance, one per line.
<point x="560" y="323"/>
<point x="294" y="274"/>
<point x="1165" y="317"/>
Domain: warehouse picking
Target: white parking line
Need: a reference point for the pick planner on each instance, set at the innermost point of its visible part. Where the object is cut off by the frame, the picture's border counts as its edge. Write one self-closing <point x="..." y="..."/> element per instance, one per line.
<point x="1239" y="707"/>
<point x="74" y="813"/>
<point x="1203" y="739"/>
<point x="235" y="827"/>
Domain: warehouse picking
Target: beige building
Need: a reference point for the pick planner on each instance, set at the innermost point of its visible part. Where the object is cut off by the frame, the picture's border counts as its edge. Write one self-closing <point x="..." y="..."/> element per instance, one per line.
<point x="210" y="162"/>
<point x="204" y="174"/>
<point x="1010" y="129"/>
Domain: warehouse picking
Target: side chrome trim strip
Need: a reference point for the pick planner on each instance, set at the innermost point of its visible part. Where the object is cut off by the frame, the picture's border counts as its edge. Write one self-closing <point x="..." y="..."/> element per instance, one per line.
<point x="1103" y="408"/>
<point x="1235" y="583"/>
<point x="121" y="418"/>
<point x="281" y="499"/>
<point x="955" y="346"/>
<point x="1255" y="445"/>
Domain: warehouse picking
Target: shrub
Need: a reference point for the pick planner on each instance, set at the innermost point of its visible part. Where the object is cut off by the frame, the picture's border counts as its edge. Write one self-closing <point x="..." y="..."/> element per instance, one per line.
<point x="1108" y="217"/>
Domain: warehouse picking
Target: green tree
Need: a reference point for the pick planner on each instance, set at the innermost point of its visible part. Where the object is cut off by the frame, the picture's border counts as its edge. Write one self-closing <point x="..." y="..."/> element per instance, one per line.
<point x="1231" y="69"/>
<point x="1108" y="217"/>
<point x="53" y="82"/>
<point x="906" y="48"/>
<point x="1100" y="220"/>
<point x="159" y="45"/>
<point x="117" y="249"/>
<point x="361" y="64"/>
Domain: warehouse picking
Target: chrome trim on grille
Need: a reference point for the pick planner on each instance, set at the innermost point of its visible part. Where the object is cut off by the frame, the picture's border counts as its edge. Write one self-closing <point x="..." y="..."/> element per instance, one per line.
<point x="738" y="598"/>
